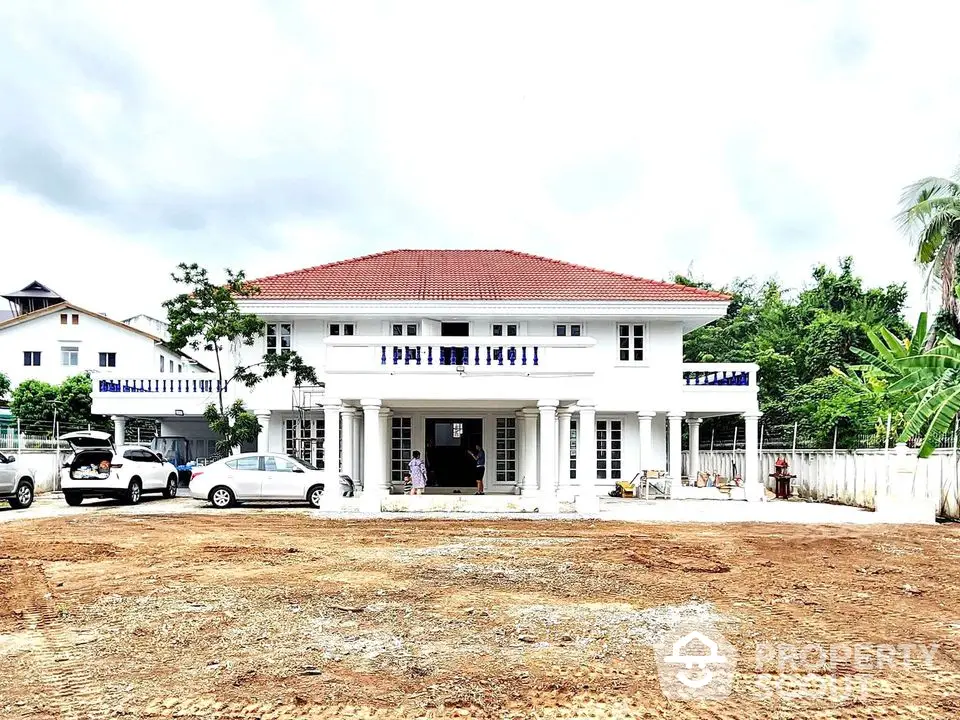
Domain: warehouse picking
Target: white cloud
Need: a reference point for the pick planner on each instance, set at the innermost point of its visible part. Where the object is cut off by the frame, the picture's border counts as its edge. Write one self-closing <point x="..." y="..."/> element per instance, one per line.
<point x="749" y="139"/>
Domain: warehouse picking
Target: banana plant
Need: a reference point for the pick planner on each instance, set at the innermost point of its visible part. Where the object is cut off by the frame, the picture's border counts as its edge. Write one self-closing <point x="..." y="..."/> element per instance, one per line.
<point x="926" y="381"/>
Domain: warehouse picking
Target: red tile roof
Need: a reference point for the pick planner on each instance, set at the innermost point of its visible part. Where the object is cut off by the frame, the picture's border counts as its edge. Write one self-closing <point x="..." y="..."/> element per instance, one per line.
<point x="491" y="275"/>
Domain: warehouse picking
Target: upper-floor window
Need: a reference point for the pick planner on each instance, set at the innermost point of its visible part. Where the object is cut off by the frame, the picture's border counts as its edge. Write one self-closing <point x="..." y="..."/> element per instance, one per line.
<point x="341" y="328"/>
<point x="404" y="329"/>
<point x="630" y="337"/>
<point x="108" y="359"/>
<point x="69" y="356"/>
<point x="179" y="368"/>
<point x="163" y="364"/>
<point x="279" y="337"/>
<point x="31" y="358"/>
<point x="74" y="318"/>
<point x="508" y="329"/>
<point x="569" y="330"/>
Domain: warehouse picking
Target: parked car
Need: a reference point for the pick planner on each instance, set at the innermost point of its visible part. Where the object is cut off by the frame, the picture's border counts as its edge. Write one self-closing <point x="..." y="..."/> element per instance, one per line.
<point x="262" y="476"/>
<point x="16" y="482"/>
<point x="100" y="470"/>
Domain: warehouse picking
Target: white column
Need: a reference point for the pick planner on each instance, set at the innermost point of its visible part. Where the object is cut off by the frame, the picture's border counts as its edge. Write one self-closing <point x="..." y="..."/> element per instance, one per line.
<point x="386" y="433"/>
<point x="520" y="449"/>
<point x="530" y="485"/>
<point x="347" y="465"/>
<point x="372" y="455"/>
<point x="587" y="500"/>
<point x="263" y="437"/>
<point x="331" y="435"/>
<point x="563" y="452"/>
<point x="119" y="429"/>
<point x="693" y="424"/>
<point x="548" y="449"/>
<point x="645" y="420"/>
<point x="357" y="445"/>
<point x="753" y="487"/>
<point x="675" y="417"/>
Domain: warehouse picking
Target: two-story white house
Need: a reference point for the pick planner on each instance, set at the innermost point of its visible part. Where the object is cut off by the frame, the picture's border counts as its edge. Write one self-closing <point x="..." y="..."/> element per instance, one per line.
<point x="62" y="339"/>
<point x="569" y="377"/>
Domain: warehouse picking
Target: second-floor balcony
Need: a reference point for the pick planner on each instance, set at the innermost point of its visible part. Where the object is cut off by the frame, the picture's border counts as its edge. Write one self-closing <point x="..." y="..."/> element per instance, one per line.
<point x="543" y="356"/>
<point x="427" y="369"/>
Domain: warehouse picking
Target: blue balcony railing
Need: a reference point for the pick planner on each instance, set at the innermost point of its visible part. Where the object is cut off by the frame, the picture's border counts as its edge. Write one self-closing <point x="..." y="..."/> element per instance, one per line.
<point x="716" y="378"/>
<point x="461" y="355"/>
<point x="155" y="385"/>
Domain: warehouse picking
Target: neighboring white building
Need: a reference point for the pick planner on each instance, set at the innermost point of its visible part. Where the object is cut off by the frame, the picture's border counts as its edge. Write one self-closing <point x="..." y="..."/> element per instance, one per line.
<point x="62" y="340"/>
<point x="149" y="325"/>
<point x="570" y="377"/>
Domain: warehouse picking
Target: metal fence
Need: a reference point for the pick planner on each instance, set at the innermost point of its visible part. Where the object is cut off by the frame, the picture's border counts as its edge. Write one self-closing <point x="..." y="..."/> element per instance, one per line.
<point x="793" y="437"/>
<point x="19" y="436"/>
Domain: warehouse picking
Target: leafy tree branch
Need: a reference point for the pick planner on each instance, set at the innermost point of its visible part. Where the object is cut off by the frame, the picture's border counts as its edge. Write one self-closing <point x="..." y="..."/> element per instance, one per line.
<point x="206" y="317"/>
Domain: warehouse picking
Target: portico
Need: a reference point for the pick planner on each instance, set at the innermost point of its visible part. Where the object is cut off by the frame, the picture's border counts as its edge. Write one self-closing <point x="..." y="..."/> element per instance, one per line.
<point x="550" y="451"/>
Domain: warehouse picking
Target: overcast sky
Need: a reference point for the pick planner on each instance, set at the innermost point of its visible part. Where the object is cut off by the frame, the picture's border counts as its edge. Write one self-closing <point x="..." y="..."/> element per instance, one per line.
<point x="746" y="138"/>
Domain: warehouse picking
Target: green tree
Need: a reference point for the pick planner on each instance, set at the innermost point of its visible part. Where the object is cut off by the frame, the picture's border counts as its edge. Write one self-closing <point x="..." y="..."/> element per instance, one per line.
<point x="33" y="402"/>
<point x="796" y="339"/>
<point x="74" y="396"/>
<point x="207" y="317"/>
<point x="930" y="217"/>
<point x="4" y="386"/>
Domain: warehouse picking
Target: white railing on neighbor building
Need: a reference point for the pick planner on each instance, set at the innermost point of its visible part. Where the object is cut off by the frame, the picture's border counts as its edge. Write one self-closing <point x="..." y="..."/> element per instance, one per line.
<point x="153" y="397"/>
<point x="438" y="355"/>
<point x="173" y="386"/>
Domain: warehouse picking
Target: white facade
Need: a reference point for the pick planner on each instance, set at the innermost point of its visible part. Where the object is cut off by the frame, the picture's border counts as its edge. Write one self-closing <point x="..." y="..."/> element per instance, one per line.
<point x="54" y="344"/>
<point x="150" y="325"/>
<point x="558" y="416"/>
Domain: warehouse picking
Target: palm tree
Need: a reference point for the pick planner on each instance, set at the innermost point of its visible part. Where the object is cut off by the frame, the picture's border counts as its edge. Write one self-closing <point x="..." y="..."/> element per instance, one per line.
<point x="930" y="217"/>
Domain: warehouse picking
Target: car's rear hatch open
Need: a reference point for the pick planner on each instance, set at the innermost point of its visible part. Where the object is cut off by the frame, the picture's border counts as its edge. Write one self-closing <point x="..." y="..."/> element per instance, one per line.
<point x="93" y="454"/>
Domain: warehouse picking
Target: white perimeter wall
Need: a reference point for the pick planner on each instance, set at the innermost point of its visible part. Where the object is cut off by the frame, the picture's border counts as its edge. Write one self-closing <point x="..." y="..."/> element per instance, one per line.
<point x="852" y="476"/>
<point x="44" y="465"/>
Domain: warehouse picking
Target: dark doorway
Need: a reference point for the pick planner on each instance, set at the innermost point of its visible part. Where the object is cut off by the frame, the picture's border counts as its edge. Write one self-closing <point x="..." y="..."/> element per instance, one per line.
<point x="447" y="442"/>
<point x="455" y="329"/>
<point x="455" y="354"/>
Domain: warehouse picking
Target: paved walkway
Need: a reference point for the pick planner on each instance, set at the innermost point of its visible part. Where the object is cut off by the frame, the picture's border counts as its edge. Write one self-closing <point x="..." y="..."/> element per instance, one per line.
<point x="643" y="511"/>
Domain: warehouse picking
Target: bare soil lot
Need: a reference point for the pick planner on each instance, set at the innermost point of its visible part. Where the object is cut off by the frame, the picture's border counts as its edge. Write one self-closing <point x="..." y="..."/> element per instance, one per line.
<point x="286" y="616"/>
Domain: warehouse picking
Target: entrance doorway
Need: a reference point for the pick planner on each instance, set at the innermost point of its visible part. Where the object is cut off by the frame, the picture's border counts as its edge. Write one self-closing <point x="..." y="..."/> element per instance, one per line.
<point x="447" y="442"/>
<point x="456" y="354"/>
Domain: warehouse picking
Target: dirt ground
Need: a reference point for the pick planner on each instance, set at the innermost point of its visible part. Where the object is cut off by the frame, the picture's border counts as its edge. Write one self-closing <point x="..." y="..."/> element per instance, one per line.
<point x="286" y="616"/>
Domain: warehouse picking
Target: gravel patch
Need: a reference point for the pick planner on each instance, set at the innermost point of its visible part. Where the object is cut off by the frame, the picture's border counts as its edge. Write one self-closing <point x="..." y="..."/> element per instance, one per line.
<point x="612" y="624"/>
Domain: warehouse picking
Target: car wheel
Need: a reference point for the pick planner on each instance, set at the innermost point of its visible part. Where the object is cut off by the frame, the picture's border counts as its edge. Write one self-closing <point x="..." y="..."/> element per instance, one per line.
<point x="24" y="496"/>
<point x="73" y="499"/>
<point x="222" y="497"/>
<point x="134" y="492"/>
<point x="171" y="490"/>
<point x="315" y="496"/>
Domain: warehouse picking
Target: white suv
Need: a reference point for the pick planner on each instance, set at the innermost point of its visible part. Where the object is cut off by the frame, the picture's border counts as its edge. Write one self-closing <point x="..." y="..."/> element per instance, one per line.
<point x="100" y="470"/>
